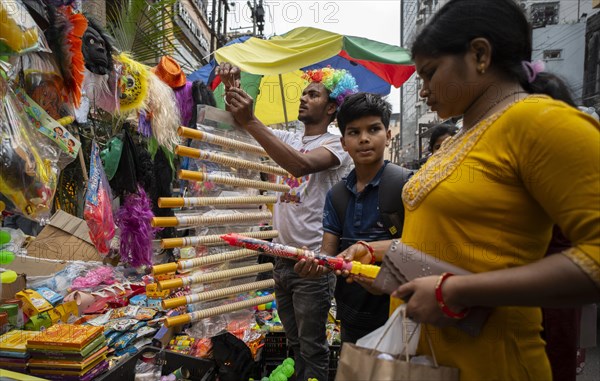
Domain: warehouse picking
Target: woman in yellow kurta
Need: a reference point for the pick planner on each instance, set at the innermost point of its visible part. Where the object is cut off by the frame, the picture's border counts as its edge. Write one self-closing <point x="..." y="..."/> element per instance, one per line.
<point x="488" y="199"/>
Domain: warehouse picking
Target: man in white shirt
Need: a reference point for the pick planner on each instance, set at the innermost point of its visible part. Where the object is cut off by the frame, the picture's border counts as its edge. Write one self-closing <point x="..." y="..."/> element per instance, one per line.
<point x="315" y="161"/>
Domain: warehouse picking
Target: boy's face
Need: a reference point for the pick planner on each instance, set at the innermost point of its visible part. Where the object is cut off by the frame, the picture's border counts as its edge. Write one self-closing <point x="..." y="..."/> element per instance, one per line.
<point x="365" y="140"/>
<point x="315" y="105"/>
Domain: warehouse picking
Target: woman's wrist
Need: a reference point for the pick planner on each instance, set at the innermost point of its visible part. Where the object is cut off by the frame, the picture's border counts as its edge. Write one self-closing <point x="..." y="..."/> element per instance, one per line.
<point x="447" y="296"/>
<point x="453" y="292"/>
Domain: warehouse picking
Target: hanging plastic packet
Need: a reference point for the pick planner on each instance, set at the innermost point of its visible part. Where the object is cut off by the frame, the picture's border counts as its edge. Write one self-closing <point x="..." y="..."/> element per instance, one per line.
<point x="40" y="76"/>
<point x="20" y="34"/>
<point x="28" y="161"/>
<point x="45" y="101"/>
<point x="98" y="210"/>
<point x="49" y="127"/>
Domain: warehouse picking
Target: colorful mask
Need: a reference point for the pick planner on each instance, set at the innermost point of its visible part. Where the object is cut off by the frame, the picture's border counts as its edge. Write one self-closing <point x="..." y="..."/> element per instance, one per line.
<point x="44" y="84"/>
<point x="133" y="84"/>
<point x="97" y="49"/>
<point x="47" y="95"/>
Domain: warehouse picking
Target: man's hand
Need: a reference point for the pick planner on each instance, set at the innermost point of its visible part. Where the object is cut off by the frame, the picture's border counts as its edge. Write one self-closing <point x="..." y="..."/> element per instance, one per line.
<point x="307" y="268"/>
<point x="230" y="75"/>
<point x="241" y="106"/>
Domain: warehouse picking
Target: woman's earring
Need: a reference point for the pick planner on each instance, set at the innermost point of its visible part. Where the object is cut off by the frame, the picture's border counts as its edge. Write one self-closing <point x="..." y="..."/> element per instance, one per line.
<point x="481" y="69"/>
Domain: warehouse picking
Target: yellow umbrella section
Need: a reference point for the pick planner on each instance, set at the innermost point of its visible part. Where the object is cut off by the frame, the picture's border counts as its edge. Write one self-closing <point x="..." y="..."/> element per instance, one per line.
<point x="270" y="106"/>
<point x="282" y="54"/>
<point x="278" y="60"/>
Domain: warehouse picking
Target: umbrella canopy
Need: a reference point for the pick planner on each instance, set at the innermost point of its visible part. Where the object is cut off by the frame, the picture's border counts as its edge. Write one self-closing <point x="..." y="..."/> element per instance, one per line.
<point x="272" y="69"/>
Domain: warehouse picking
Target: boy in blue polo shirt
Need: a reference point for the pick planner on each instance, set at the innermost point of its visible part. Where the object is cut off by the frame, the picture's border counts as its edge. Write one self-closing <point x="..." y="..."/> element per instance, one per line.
<point x="363" y="120"/>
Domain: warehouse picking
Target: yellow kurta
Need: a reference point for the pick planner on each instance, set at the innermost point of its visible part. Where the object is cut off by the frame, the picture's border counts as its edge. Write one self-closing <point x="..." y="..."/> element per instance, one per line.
<point x="487" y="201"/>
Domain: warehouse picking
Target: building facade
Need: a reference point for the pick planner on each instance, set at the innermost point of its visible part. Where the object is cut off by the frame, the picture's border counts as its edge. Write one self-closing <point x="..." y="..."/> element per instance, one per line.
<point x="591" y="71"/>
<point x="562" y="49"/>
<point x="193" y="42"/>
<point x="560" y="39"/>
<point x="407" y="145"/>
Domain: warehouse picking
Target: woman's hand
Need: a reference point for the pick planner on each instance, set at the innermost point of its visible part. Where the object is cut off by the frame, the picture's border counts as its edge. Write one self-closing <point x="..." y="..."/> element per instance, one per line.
<point x="422" y="305"/>
<point x="366" y="283"/>
<point x="356" y="252"/>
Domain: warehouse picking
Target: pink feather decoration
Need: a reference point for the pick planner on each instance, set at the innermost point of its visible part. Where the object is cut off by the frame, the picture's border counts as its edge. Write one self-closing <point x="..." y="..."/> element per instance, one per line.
<point x="94" y="278"/>
<point x="134" y="221"/>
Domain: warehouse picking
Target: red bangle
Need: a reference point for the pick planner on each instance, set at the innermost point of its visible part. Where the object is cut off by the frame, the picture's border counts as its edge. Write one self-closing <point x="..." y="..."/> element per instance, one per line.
<point x="440" y="299"/>
<point x="369" y="249"/>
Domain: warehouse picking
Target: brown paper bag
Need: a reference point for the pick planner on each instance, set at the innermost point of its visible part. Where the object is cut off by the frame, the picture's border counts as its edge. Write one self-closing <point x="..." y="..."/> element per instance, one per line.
<point x="358" y="364"/>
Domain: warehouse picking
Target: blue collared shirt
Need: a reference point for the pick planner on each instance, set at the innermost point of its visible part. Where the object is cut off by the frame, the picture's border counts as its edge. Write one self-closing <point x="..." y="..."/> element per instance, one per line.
<point x="359" y="311"/>
<point x="362" y="220"/>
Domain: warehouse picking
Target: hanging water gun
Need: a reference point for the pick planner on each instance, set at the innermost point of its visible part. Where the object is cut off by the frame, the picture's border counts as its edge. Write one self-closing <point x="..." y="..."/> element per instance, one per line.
<point x="290" y="252"/>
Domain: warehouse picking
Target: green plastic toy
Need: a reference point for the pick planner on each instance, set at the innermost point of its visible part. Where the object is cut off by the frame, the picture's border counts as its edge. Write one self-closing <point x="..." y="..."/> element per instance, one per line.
<point x="4" y="237"/>
<point x="284" y="371"/>
<point x="6" y="257"/>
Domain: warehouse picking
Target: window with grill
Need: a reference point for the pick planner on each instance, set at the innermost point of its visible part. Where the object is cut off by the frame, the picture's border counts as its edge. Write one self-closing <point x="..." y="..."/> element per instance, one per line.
<point x="543" y="14"/>
<point x="554" y="54"/>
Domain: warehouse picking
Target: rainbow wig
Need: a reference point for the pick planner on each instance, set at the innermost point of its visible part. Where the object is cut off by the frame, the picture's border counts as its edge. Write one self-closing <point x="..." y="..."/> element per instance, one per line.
<point x="339" y="82"/>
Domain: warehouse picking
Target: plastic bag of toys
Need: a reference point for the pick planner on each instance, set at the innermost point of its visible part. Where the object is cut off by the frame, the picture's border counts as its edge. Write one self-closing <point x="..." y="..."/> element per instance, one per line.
<point x="20" y="33"/>
<point x="28" y="161"/>
<point x="98" y="209"/>
<point x="43" y="83"/>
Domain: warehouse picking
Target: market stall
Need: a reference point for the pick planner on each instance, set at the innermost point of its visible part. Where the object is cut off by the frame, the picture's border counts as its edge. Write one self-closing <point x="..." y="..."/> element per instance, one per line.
<point x="120" y="189"/>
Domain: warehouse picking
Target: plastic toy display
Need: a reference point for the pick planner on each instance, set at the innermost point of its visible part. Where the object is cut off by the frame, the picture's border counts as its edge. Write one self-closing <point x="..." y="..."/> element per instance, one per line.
<point x="216" y="294"/>
<point x="188" y="264"/>
<point x="199" y="315"/>
<point x="169" y="243"/>
<point x="214" y="276"/>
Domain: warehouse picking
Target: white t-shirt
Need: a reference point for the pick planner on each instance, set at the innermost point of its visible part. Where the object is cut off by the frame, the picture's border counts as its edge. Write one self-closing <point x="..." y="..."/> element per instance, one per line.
<point x="298" y="214"/>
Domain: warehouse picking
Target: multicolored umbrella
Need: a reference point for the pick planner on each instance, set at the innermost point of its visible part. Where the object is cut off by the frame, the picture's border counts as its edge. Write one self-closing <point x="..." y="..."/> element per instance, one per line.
<point x="272" y="69"/>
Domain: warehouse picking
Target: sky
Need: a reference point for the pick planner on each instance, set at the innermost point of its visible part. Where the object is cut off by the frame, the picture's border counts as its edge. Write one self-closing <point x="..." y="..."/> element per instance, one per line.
<point x="376" y="20"/>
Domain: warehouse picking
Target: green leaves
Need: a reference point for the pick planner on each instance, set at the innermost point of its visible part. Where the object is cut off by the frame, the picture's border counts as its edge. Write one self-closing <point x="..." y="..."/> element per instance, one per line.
<point x="146" y="29"/>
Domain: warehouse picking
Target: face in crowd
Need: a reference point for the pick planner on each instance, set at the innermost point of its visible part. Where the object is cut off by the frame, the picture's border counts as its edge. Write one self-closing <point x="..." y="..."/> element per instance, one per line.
<point x="315" y="105"/>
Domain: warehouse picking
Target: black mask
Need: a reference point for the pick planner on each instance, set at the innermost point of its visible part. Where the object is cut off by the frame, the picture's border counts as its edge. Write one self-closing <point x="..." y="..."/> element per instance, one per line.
<point x="96" y="50"/>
